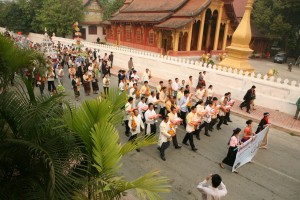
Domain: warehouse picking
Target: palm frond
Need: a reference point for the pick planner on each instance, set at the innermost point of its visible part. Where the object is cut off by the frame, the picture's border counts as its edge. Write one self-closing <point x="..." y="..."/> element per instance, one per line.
<point x="141" y="141"/>
<point x="106" y="150"/>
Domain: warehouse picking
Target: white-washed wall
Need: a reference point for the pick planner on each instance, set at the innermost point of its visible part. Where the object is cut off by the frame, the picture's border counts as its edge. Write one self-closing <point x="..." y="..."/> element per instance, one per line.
<point x="270" y="92"/>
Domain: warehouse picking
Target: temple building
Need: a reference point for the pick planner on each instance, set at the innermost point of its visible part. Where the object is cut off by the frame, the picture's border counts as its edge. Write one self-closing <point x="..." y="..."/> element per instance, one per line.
<point x="91" y="27"/>
<point x="176" y="27"/>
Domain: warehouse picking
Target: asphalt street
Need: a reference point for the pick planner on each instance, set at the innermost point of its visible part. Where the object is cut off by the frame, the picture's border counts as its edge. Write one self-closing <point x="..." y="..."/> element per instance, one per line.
<point x="274" y="174"/>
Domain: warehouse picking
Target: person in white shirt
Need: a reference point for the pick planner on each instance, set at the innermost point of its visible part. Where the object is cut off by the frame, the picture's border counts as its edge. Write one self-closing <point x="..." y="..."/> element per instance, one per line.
<point x="60" y="74"/>
<point x="128" y="112"/>
<point x="164" y="136"/>
<point x="153" y="99"/>
<point x="135" y="76"/>
<point x="150" y="119"/>
<point x="175" y="87"/>
<point x="130" y="85"/>
<point x="159" y="86"/>
<point x="50" y="79"/>
<point x="136" y="125"/>
<point x="191" y="123"/>
<point x="190" y="82"/>
<point x="210" y="93"/>
<point x="162" y="101"/>
<point x="146" y="75"/>
<point x="215" y="192"/>
<point x="132" y="93"/>
<point x="200" y="93"/>
<point x="207" y="118"/>
<point x="106" y="83"/>
<point x="198" y="116"/>
<point x="175" y="121"/>
<point x="142" y="107"/>
<point x="122" y="85"/>
<point x="182" y="84"/>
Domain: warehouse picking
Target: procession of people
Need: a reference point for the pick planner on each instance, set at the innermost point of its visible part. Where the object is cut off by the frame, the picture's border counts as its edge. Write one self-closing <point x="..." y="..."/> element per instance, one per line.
<point x="158" y="111"/>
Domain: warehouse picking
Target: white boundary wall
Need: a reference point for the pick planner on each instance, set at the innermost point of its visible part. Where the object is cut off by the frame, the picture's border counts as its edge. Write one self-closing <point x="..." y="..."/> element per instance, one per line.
<point x="272" y="92"/>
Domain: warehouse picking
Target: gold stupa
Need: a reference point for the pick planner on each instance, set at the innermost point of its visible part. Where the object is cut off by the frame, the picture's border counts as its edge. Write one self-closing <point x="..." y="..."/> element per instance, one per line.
<point x="239" y="50"/>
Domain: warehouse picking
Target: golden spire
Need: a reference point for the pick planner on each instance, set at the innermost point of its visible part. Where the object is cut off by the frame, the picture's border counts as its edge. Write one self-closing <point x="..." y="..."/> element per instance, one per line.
<point x="239" y="51"/>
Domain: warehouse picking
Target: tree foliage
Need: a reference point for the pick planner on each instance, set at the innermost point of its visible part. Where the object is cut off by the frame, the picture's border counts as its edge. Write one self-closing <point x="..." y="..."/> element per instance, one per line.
<point x="34" y="15"/>
<point x="279" y="19"/>
<point x="110" y="7"/>
<point x="52" y="150"/>
<point x="58" y="16"/>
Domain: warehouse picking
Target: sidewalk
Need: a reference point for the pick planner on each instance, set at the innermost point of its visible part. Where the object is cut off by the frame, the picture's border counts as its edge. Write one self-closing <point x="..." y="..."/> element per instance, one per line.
<point x="278" y="119"/>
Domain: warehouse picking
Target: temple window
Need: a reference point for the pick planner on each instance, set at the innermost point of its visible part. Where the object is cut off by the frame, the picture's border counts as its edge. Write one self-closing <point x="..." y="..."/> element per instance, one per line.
<point x="138" y="35"/>
<point x="151" y="37"/>
<point x="93" y="30"/>
<point x="128" y="33"/>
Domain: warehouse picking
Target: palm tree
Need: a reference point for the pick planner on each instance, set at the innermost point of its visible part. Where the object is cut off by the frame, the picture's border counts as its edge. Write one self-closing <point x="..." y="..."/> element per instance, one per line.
<point x="95" y="125"/>
<point x="50" y="149"/>
<point x="35" y="153"/>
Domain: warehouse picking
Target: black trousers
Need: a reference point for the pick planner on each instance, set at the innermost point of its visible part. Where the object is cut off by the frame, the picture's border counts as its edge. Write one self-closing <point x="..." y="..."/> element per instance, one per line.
<point x="222" y="118"/>
<point x="183" y="117"/>
<point x="227" y="117"/>
<point x="175" y="142"/>
<point x="105" y="90"/>
<point x="152" y="128"/>
<point x="246" y="104"/>
<point x="51" y="86"/>
<point x="127" y="129"/>
<point x="162" y="111"/>
<point x="212" y="123"/>
<point x="205" y="125"/>
<point x="197" y="132"/>
<point x="132" y="137"/>
<point x="189" y="137"/>
<point x="163" y="147"/>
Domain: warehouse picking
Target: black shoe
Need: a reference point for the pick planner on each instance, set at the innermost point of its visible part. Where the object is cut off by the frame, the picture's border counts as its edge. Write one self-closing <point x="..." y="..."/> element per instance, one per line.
<point x="158" y="148"/>
<point x="185" y="143"/>
<point x="210" y="130"/>
<point x="218" y="128"/>
<point x="138" y="150"/>
<point x="225" y="123"/>
<point x="241" y="107"/>
<point x="207" y="135"/>
<point x="162" y="157"/>
<point x="197" y="137"/>
<point x="194" y="149"/>
<point x="178" y="147"/>
<point x="229" y="120"/>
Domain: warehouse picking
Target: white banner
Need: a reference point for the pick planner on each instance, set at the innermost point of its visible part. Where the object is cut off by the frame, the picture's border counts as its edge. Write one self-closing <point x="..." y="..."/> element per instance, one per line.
<point x="248" y="150"/>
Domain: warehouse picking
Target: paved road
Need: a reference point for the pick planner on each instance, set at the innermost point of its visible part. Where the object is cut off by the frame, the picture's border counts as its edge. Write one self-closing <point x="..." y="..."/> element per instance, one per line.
<point x="274" y="174"/>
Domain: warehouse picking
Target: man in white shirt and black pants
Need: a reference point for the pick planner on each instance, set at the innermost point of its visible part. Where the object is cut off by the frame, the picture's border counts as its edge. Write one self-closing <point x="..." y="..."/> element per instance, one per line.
<point x="139" y="126"/>
<point x="164" y="136"/>
<point x="150" y="119"/>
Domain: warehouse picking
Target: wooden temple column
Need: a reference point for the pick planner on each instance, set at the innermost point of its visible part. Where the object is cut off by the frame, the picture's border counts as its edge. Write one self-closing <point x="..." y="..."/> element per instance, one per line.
<point x="208" y="35"/>
<point x="225" y="35"/>
<point x="176" y="40"/>
<point x="189" y="38"/>
<point x="200" y="36"/>
<point x="217" y="33"/>
<point x="159" y="39"/>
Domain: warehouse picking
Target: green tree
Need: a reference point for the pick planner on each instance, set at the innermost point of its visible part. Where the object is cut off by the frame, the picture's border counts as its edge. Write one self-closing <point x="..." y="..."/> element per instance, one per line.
<point x="58" y="16"/>
<point x="110" y="7"/>
<point x="278" y="19"/>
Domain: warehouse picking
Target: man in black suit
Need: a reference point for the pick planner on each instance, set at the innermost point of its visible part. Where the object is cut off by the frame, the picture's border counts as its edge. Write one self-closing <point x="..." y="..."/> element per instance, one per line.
<point x="247" y="99"/>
